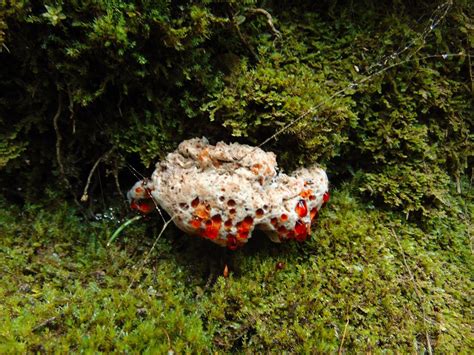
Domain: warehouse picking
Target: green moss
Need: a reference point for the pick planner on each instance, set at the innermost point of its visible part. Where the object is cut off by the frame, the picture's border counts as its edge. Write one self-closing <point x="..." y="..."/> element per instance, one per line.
<point x="143" y="76"/>
<point x="63" y="290"/>
<point x="139" y="77"/>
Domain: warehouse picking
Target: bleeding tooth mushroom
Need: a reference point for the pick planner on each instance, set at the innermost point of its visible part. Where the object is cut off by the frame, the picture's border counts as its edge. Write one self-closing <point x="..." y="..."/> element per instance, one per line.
<point x="224" y="192"/>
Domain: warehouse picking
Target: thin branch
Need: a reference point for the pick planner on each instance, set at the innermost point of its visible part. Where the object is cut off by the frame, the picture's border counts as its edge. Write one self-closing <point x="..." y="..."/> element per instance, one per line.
<point x="471" y="77"/>
<point x="147" y="256"/>
<point x="46" y="323"/>
<point x="269" y="17"/>
<point x="85" y="195"/>
<point x="343" y="336"/>
<point x="71" y="110"/>
<point x="417" y="291"/>
<point x="351" y="86"/>
<point x="244" y="41"/>
<point x="59" y="160"/>
<point x="58" y="140"/>
<point x="117" y="185"/>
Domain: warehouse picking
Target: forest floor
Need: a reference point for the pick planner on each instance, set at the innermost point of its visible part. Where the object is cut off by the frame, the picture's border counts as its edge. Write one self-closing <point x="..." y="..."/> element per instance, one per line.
<point x="368" y="280"/>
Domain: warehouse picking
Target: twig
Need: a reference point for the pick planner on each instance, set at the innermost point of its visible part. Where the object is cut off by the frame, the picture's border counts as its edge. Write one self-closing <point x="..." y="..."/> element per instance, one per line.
<point x="47" y="322"/>
<point x="351" y="86"/>
<point x="471" y="77"/>
<point x="62" y="171"/>
<point x="343" y="336"/>
<point x="117" y="185"/>
<point x="269" y="20"/>
<point x="145" y="259"/>
<point x="59" y="139"/>
<point x="168" y="338"/>
<point x="85" y="195"/>
<point x="417" y="291"/>
<point x="71" y="110"/>
<point x="244" y="41"/>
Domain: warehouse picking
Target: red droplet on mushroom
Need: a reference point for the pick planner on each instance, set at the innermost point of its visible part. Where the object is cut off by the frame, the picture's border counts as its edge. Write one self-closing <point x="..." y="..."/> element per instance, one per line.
<point x="284" y="217"/>
<point x="231" y="242"/>
<point x="195" y="202"/>
<point x="274" y="221"/>
<point x="259" y="213"/>
<point x="213" y="226"/>
<point x="306" y="193"/>
<point x="143" y="206"/>
<point x="138" y="190"/>
<point x="228" y="224"/>
<point x="301" y="208"/>
<point x="312" y="198"/>
<point x="301" y="231"/>
<point x="282" y="230"/>
<point x="195" y="222"/>
<point x="242" y="235"/>
<point x="248" y="221"/>
<point x="231" y="203"/>
<point x="245" y="225"/>
<point x="326" y="197"/>
<point x="216" y="219"/>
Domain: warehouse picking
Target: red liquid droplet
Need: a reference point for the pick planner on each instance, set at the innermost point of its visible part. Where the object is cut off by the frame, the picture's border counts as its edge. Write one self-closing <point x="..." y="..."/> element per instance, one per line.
<point x="306" y="193"/>
<point x="228" y="223"/>
<point x="248" y="220"/>
<point x="326" y="197"/>
<point x="145" y="206"/>
<point x="195" y="222"/>
<point x="259" y="212"/>
<point x="232" y="242"/>
<point x="242" y="235"/>
<point x="138" y="190"/>
<point x="231" y="203"/>
<point x="284" y="217"/>
<point x="195" y="202"/>
<point x="312" y="198"/>
<point x="282" y="230"/>
<point x="213" y="226"/>
<point x="274" y="221"/>
<point x="245" y="225"/>
<point x="301" y="231"/>
<point x="301" y="208"/>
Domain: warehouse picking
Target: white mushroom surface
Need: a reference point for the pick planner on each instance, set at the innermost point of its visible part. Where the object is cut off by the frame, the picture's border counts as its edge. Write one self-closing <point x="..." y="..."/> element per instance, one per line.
<point x="224" y="192"/>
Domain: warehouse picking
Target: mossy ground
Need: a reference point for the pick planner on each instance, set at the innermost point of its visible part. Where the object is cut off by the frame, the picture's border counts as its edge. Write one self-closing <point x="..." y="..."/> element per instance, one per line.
<point x="116" y="85"/>
<point x="366" y="281"/>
